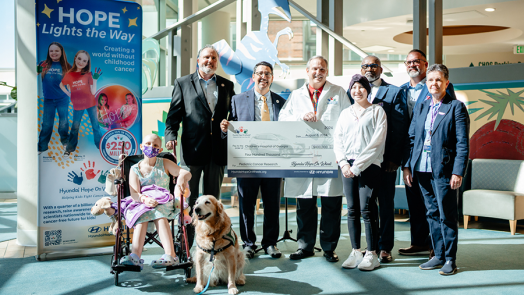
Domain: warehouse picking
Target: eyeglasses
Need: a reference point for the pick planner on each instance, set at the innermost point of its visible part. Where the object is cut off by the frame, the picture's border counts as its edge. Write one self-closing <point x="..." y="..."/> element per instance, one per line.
<point x="371" y="66"/>
<point x="414" y="62"/>
<point x="262" y="74"/>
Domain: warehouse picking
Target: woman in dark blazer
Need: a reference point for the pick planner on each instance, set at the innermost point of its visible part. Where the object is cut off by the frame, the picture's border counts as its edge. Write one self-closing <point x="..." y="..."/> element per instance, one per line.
<point x="437" y="151"/>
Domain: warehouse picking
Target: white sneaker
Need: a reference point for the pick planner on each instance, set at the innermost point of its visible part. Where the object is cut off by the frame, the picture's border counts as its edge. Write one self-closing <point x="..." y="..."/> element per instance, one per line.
<point x="370" y="261"/>
<point x="354" y="259"/>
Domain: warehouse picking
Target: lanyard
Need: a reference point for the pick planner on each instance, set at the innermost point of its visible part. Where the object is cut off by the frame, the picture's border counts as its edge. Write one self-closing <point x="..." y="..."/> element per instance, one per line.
<point x="434" y="112"/>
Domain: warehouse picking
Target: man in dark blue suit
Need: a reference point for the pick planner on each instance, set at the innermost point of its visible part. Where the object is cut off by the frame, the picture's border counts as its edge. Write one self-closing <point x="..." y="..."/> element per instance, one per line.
<point x="437" y="153"/>
<point x="416" y="93"/>
<point x="258" y="104"/>
<point x="391" y="98"/>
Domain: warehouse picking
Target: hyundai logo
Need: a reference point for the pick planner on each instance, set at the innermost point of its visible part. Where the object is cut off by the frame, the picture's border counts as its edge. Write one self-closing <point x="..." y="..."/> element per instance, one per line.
<point x="94" y="229"/>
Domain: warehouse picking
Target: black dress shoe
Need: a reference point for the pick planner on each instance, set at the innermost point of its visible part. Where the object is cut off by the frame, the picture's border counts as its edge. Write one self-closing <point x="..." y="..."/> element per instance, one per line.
<point x="301" y="254"/>
<point x="273" y="251"/>
<point x="331" y="256"/>
<point x="250" y="252"/>
<point x="385" y="256"/>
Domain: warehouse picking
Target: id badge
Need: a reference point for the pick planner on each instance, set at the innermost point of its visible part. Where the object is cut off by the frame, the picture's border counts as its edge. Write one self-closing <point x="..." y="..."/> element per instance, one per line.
<point x="427" y="148"/>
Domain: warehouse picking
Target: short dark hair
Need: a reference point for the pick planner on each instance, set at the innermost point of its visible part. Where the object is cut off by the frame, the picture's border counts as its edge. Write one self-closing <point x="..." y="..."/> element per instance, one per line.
<point x="263" y="63"/>
<point x="439" y="68"/>
<point x="418" y="51"/>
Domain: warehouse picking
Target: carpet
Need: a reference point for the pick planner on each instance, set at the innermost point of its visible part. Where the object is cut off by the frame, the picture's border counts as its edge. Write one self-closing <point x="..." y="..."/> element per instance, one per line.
<point x="488" y="264"/>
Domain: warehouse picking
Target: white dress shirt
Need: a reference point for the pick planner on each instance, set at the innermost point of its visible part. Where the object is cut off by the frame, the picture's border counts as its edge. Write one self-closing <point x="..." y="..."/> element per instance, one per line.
<point x="360" y="135"/>
<point x="374" y="89"/>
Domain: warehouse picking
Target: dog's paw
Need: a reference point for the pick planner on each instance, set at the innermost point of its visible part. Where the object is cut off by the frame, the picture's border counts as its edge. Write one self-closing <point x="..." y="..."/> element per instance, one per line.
<point x="233" y="291"/>
<point x="241" y="281"/>
<point x="191" y="280"/>
<point x="198" y="289"/>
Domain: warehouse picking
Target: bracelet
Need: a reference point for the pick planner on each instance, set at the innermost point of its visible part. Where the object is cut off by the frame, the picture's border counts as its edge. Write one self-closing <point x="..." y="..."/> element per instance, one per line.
<point x="140" y="198"/>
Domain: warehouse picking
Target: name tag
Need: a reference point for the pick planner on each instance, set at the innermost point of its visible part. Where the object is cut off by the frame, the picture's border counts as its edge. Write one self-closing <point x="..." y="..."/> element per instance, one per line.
<point x="427" y="148"/>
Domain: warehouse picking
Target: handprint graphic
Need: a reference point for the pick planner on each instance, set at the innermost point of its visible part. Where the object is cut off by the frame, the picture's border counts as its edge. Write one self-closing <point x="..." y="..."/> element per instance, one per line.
<point x="102" y="178"/>
<point x="74" y="178"/>
<point x="90" y="170"/>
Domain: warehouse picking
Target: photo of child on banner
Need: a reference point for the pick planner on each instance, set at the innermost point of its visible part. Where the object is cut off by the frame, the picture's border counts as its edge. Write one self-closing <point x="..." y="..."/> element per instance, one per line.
<point x="81" y="88"/>
<point x="52" y="70"/>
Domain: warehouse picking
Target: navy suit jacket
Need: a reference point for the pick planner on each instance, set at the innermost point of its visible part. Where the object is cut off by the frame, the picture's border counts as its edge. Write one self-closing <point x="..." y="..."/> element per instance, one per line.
<point x="392" y="100"/>
<point x="449" y="141"/>
<point x="425" y="92"/>
<point x="243" y="106"/>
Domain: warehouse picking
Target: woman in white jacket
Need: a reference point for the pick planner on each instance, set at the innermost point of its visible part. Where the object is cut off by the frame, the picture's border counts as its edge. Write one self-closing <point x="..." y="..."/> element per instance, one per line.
<point x="359" y="141"/>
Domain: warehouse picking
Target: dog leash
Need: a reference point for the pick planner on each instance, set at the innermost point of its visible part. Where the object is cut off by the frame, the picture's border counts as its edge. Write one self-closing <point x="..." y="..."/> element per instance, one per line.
<point x="211" y="258"/>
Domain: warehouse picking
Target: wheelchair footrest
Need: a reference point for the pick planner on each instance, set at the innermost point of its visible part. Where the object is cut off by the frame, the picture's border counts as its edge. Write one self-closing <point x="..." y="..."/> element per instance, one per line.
<point x="121" y="268"/>
<point x="182" y="265"/>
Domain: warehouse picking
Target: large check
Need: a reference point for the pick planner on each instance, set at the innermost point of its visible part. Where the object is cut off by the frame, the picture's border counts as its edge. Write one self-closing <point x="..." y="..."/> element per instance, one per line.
<point x="281" y="149"/>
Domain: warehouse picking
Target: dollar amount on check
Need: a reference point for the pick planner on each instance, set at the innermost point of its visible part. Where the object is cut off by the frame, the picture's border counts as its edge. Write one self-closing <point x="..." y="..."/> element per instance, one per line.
<point x="281" y="149"/>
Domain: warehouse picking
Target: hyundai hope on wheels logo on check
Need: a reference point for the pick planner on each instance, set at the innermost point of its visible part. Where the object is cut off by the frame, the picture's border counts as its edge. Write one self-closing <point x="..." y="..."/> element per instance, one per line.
<point x="94" y="229"/>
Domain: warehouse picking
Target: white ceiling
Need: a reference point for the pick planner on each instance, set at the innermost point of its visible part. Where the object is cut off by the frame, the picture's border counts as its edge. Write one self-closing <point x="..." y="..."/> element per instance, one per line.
<point x="374" y="23"/>
<point x="380" y="32"/>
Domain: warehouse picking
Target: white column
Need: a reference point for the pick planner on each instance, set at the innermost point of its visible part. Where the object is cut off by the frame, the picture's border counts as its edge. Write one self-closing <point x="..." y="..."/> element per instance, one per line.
<point x="215" y="27"/>
<point x="27" y="156"/>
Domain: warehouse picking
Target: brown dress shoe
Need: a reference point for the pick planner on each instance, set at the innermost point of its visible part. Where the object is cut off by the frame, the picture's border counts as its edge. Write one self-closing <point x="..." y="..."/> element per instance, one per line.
<point x="385" y="256"/>
<point x="414" y="250"/>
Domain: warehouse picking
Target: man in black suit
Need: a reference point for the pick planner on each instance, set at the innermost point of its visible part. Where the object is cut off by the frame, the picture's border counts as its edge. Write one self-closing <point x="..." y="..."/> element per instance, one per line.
<point x="258" y="104"/>
<point x="201" y="101"/>
<point x="391" y="98"/>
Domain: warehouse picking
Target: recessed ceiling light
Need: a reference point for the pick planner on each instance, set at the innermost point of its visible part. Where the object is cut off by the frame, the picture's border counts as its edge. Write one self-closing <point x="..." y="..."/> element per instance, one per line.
<point x="490" y="9"/>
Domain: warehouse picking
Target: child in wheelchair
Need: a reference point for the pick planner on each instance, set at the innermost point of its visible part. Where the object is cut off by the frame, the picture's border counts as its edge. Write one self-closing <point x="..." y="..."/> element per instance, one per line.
<point x="151" y="201"/>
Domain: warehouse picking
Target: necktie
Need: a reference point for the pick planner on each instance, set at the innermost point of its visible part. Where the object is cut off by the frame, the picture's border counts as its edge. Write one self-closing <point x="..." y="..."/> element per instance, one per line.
<point x="314" y="100"/>
<point x="265" y="110"/>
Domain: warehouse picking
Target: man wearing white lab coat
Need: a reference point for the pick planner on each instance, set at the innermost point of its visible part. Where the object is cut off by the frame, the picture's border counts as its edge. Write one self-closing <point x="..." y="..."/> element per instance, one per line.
<point x="318" y="100"/>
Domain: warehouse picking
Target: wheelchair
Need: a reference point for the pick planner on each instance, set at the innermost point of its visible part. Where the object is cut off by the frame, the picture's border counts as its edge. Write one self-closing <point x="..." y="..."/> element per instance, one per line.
<point x="122" y="245"/>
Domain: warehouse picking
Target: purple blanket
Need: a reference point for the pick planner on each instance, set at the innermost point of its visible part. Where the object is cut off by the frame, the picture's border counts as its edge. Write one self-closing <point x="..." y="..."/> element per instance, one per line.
<point x="133" y="210"/>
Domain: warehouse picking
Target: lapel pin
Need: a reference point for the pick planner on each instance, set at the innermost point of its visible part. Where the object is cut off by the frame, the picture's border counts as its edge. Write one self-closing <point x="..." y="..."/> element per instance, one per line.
<point x="222" y="85"/>
<point x="278" y="101"/>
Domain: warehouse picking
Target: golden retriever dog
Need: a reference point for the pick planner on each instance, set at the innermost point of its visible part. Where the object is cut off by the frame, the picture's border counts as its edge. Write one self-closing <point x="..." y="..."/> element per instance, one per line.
<point x="213" y="232"/>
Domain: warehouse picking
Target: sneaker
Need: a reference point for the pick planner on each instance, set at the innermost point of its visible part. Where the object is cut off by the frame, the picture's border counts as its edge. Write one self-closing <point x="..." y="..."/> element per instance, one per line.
<point x="369" y="262"/>
<point x="432" y="264"/>
<point x="354" y="259"/>
<point x="450" y="268"/>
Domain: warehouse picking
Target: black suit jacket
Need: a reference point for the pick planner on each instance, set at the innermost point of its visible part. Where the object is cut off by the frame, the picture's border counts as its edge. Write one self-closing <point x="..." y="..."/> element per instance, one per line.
<point x="449" y="140"/>
<point x="392" y="100"/>
<point x="202" y="140"/>
<point x="243" y="106"/>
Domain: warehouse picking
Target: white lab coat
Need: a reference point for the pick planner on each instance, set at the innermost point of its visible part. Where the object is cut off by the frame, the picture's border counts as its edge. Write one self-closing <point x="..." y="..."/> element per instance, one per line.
<point x="299" y="104"/>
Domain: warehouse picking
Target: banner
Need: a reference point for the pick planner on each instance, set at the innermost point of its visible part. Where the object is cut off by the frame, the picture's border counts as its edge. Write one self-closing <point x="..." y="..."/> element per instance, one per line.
<point x="89" y="106"/>
<point x="281" y="149"/>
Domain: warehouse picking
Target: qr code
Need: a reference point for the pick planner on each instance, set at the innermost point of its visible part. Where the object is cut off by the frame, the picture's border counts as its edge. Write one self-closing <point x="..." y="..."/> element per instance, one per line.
<point x="53" y="237"/>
